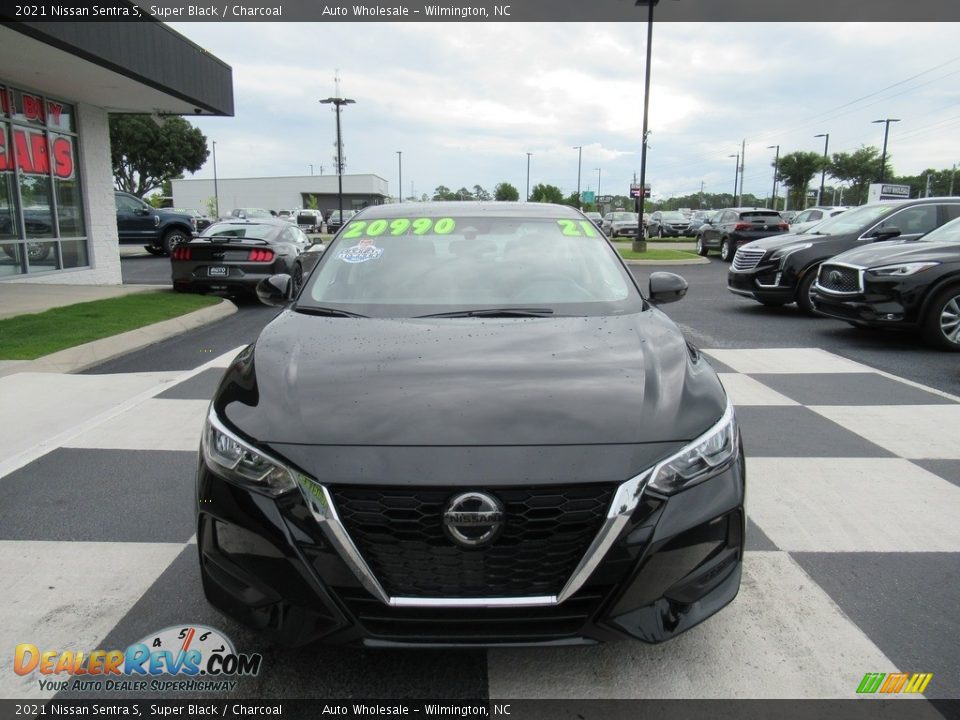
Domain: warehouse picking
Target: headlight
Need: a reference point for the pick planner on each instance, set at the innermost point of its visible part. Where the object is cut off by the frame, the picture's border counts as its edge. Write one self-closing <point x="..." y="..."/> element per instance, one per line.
<point x="782" y="255"/>
<point x="232" y="458"/>
<point x="902" y="270"/>
<point x="699" y="460"/>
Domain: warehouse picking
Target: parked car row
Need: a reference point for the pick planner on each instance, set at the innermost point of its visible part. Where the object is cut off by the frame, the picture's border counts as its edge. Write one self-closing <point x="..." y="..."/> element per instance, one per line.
<point x="886" y="264"/>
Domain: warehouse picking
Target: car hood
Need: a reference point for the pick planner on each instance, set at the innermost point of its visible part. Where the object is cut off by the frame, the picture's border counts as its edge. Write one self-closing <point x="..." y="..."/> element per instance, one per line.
<point x="777" y="242"/>
<point x="895" y="251"/>
<point x="470" y="382"/>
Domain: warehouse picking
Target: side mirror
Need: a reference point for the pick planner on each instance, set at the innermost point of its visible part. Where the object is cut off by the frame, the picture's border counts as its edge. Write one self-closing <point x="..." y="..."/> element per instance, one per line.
<point x="276" y="290"/>
<point x="885" y="234"/>
<point x="666" y="287"/>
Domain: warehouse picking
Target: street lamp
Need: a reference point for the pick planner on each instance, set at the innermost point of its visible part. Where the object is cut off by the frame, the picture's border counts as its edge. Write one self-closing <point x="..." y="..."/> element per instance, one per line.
<point x="823" y="173"/>
<point x="886" y="132"/>
<point x="311" y="170"/>
<point x="598" y="188"/>
<point x="579" y="149"/>
<point x="339" y="102"/>
<point x="526" y="197"/>
<point x="776" y="168"/>
<point x="400" y="173"/>
<point x="736" y="176"/>
<point x="646" y="131"/>
<point x="216" y="193"/>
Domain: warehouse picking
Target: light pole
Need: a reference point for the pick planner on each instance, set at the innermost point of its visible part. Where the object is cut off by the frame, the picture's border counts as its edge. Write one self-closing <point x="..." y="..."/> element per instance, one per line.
<point x="579" y="149"/>
<point x="311" y="171"/>
<point x="823" y="172"/>
<point x="598" y="188"/>
<point x="952" y="176"/>
<point x="776" y="168"/>
<point x="526" y="198"/>
<point x="886" y="132"/>
<point x="339" y="102"/>
<point x="640" y="243"/>
<point x="736" y="177"/>
<point x="400" y="173"/>
<point x="216" y="192"/>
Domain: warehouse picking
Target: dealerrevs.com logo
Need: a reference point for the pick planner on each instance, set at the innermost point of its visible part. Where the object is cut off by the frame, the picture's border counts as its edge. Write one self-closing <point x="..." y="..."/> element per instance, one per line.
<point x="189" y="658"/>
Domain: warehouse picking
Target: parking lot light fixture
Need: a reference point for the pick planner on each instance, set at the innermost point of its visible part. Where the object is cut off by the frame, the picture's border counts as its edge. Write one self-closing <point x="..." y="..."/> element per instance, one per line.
<point x="886" y="133"/>
<point x="339" y="102"/>
<point x="823" y="172"/>
<point x="640" y="243"/>
<point x="776" y="168"/>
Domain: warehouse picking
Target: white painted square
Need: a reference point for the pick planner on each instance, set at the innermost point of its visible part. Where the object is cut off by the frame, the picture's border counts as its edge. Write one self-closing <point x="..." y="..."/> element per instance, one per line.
<point x="782" y="637"/>
<point x="223" y="361"/>
<point x="853" y="505"/>
<point x="924" y="432"/>
<point x="744" y="390"/>
<point x="151" y="425"/>
<point x="786" y="360"/>
<point x="68" y="596"/>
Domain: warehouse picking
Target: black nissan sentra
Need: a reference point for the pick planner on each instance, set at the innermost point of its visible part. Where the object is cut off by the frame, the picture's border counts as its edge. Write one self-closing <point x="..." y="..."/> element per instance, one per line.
<point x="470" y="427"/>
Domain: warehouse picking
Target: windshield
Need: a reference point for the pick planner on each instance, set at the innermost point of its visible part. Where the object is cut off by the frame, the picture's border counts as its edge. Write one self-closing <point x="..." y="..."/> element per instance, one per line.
<point x="406" y="267"/>
<point x="853" y="220"/>
<point x="248" y="230"/>
<point x="674" y="217"/>
<point x="623" y="216"/>
<point x="949" y="233"/>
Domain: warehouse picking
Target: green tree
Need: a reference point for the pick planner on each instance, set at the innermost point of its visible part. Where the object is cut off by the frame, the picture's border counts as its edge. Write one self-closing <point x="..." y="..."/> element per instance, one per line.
<point x="505" y="191"/>
<point x="796" y="170"/>
<point x="479" y="193"/>
<point x="211" y="206"/>
<point x="145" y="153"/>
<point x="463" y="194"/>
<point x="444" y="193"/>
<point x="547" y="194"/>
<point x="859" y="169"/>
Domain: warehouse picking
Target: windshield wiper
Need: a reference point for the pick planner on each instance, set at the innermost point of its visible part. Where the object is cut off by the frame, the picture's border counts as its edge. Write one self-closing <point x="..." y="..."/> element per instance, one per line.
<point x="328" y="312"/>
<point x="493" y="312"/>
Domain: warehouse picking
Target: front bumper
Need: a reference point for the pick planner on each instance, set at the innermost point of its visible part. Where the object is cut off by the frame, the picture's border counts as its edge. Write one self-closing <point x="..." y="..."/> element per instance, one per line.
<point x="880" y="305"/>
<point x="760" y="284"/>
<point x="266" y="563"/>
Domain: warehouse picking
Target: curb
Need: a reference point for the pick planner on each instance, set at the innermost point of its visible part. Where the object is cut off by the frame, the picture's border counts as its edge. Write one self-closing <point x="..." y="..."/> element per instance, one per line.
<point x="81" y="357"/>
<point x="694" y="261"/>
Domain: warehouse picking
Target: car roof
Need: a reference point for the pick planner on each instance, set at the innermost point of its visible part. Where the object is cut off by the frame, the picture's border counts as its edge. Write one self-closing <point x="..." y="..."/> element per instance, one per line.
<point x="253" y="221"/>
<point x="471" y="209"/>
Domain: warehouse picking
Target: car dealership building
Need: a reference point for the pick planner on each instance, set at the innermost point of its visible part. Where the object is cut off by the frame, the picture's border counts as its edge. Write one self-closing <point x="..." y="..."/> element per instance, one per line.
<point x="58" y="83"/>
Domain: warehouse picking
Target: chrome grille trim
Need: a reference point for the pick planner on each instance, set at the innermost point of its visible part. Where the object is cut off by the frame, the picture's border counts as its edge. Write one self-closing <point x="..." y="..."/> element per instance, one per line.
<point x="747" y="259"/>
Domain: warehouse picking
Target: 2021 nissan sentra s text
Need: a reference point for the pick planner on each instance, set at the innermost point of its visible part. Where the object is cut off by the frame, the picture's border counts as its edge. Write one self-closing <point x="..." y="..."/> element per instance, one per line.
<point x="470" y="428"/>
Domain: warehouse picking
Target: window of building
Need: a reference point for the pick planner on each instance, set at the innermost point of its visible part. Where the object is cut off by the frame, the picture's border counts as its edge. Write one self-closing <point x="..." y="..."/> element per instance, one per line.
<point x="42" y="223"/>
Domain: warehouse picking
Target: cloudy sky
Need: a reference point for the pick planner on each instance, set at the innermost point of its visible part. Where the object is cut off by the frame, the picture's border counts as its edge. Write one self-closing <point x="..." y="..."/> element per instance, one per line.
<point x="466" y="102"/>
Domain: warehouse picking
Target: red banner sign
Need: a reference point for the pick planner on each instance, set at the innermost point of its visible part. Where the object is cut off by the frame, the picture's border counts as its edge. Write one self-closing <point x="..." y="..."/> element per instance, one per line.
<point x="35" y="157"/>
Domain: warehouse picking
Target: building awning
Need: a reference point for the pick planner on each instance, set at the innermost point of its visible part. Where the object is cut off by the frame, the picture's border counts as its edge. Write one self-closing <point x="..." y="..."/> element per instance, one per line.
<point x="136" y="67"/>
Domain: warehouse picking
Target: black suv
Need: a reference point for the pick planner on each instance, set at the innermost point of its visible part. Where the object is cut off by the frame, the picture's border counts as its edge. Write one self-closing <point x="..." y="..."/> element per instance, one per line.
<point x="159" y="230"/>
<point x="898" y="284"/>
<point x="777" y="271"/>
<point x="667" y="224"/>
<point x="734" y="227"/>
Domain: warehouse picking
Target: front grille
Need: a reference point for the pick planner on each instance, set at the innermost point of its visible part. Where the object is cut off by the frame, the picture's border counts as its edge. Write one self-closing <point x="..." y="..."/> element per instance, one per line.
<point x="545" y="534"/>
<point x="747" y="259"/>
<point x="839" y="279"/>
<point x="449" y="625"/>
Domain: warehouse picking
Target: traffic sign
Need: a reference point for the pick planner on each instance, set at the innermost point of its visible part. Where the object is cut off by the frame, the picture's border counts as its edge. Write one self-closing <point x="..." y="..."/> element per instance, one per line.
<point x="606" y="198"/>
<point x="587" y="196"/>
<point x="635" y="190"/>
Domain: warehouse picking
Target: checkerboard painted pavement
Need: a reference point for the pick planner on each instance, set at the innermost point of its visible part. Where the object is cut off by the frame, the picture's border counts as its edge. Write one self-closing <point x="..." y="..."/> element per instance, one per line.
<point x="852" y="565"/>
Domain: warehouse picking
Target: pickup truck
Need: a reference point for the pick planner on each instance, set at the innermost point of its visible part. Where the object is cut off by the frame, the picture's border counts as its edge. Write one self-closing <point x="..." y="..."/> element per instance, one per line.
<point x="159" y="230"/>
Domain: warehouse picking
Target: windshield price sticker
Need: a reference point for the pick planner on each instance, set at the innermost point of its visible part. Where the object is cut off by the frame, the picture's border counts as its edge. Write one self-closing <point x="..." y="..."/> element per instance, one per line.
<point x="573" y="228"/>
<point x="400" y="226"/>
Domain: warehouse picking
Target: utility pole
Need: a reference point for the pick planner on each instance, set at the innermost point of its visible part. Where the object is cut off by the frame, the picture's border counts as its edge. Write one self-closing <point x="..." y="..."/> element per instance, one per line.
<point x="743" y="161"/>
<point x="311" y="170"/>
<point x="701" y="195"/>
<point x="598" y="188"/>
<point x="640" y="243"/>
<point x="952" y="176"/>
<point x="526" y="198"/>
<point x="776" y="169"/>
<point x="927" y="192"/>
<point x="338" y="102"/>
<point x="216" y="192"/>
<point x="736" y="178"/>
<point x="400" y="173"/>
<point x="579" y="149"/>
<point x="823" y="172"/>
<point x="886" y="132"/>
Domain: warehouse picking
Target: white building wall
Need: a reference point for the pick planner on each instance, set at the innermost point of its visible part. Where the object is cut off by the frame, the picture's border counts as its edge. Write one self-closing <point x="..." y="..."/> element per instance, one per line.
<point x="96" y="176"/>
<point x="271" y="193"/>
